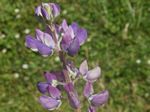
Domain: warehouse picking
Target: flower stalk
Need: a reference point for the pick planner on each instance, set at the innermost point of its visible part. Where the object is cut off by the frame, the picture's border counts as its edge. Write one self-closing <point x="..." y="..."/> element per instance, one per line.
<point x="64" y="40"/>
<point x="61" y="55"/>
<point x="63" y="60"/>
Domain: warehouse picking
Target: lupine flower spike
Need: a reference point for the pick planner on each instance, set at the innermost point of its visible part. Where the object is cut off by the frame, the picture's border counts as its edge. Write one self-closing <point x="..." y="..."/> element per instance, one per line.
<point x="64" y="39"/>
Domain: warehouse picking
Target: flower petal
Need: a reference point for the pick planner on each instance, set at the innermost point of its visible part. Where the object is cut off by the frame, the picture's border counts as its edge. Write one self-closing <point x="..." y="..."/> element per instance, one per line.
<point x="56" y="9"/>
<point x="88" y="89"/>
<point x="39" y="35"/>
<point x="93" y="74"/>
<point x="73" y="71"/>
<point x="42" y="87"/>
<point x="75" y="27"/>
<point x="38" y="11"/>
<point x="60" y="76"/>
<point x="49" y="103"/>
<point x="81" y="35"/>
<point x="72" y="95"/>
<point x="48" y="40"/>
<point x="74" y="101"/>
<point x="69" y="87"/>
<point x="83" y="67"/>
<point x="67" y="38"/>
<point x="49" y="77"/>
<point x="45" y="38"/>
<point x="44" y="50"/>
<point x="68" y="35"/>
<point x="54" y="92"/>
<point x="99" y="99"/>
<point x="74" y="47"/>
<point x="64" y="25"/>
<point x="31" y="43"/>
<point x="46" y="11"/>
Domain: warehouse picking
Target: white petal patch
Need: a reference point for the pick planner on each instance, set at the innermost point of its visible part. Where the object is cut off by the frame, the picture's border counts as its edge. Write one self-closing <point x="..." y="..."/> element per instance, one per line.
<point x="83" y="67"/>
<point x="34" y="49"/>
<point x="93" y="74"/>
<point x="48" y="40"/>
<point x="54" y="83"/>
<point x="70" y="30"/>
<point x="40" y="35"/>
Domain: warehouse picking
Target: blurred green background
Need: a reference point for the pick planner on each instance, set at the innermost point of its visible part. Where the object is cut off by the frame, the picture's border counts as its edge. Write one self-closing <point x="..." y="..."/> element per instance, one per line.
<point x="118" y="41"/>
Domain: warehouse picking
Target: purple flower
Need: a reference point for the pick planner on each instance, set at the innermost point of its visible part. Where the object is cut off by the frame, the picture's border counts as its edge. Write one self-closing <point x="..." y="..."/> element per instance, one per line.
<point x="88" y="89"/>
<point x="48" y="10"/>
<point x="72" y="70"/>
<point x="54" y="77"/>
<point x="42" y="87"/>
<point x="54" y="92"/>
<point x="95" y="100"/>
<point x="49" y="102"/>
<point x="89" y="75"/>
<point x="42" y="43"/>
<point x="99" y="99"/>
<point x="50" y="77"/>
<point x="73" y="37"/>
<point x="63" y="39"/>
<point x="72" y="95"/>
<point x="52" y="101"/>
<point x="52" y="81"/>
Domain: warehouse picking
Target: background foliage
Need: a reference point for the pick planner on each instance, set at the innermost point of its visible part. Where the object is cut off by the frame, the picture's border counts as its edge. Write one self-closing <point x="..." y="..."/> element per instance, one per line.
<point x="118" y="41"/>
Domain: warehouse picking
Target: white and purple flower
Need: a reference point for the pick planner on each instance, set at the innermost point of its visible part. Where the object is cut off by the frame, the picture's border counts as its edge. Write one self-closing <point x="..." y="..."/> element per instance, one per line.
<point x="89" y="75"/>
<point x="73" y="37"/>
<point x="72" y="70"/>
<point x="49" y="102"/>
<point x="48" y="10"/>
<point x="42" y="43"/>
<point x="64" y="39"/>
<point x="52" y="96"/>
<point x="95" y="100"/>
<point x="99" y="99"/>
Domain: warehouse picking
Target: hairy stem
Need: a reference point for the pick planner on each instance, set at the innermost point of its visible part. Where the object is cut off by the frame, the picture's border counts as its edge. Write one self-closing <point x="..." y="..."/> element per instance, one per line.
<point x="65" y="72"/>
<point x="62" y="59"/>
<point x="61" y="55"/>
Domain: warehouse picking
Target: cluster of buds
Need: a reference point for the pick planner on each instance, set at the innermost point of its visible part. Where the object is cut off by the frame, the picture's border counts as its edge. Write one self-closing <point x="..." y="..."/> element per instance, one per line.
<point x="64" y="40"/>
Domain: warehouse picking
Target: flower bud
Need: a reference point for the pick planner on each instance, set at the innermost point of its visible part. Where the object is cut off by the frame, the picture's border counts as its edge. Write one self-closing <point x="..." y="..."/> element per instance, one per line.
<point x="49" y="102"/>
<point x="72" y="96"/>
<point x="88" y="89"/>
<point x="99" y="99"/>
<point x="49" y="11"/>
<point x="42" y="87"/>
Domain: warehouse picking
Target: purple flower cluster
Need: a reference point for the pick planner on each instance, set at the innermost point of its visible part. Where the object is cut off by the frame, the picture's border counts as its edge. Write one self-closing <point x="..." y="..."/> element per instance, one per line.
<point x="64" y="40"/>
